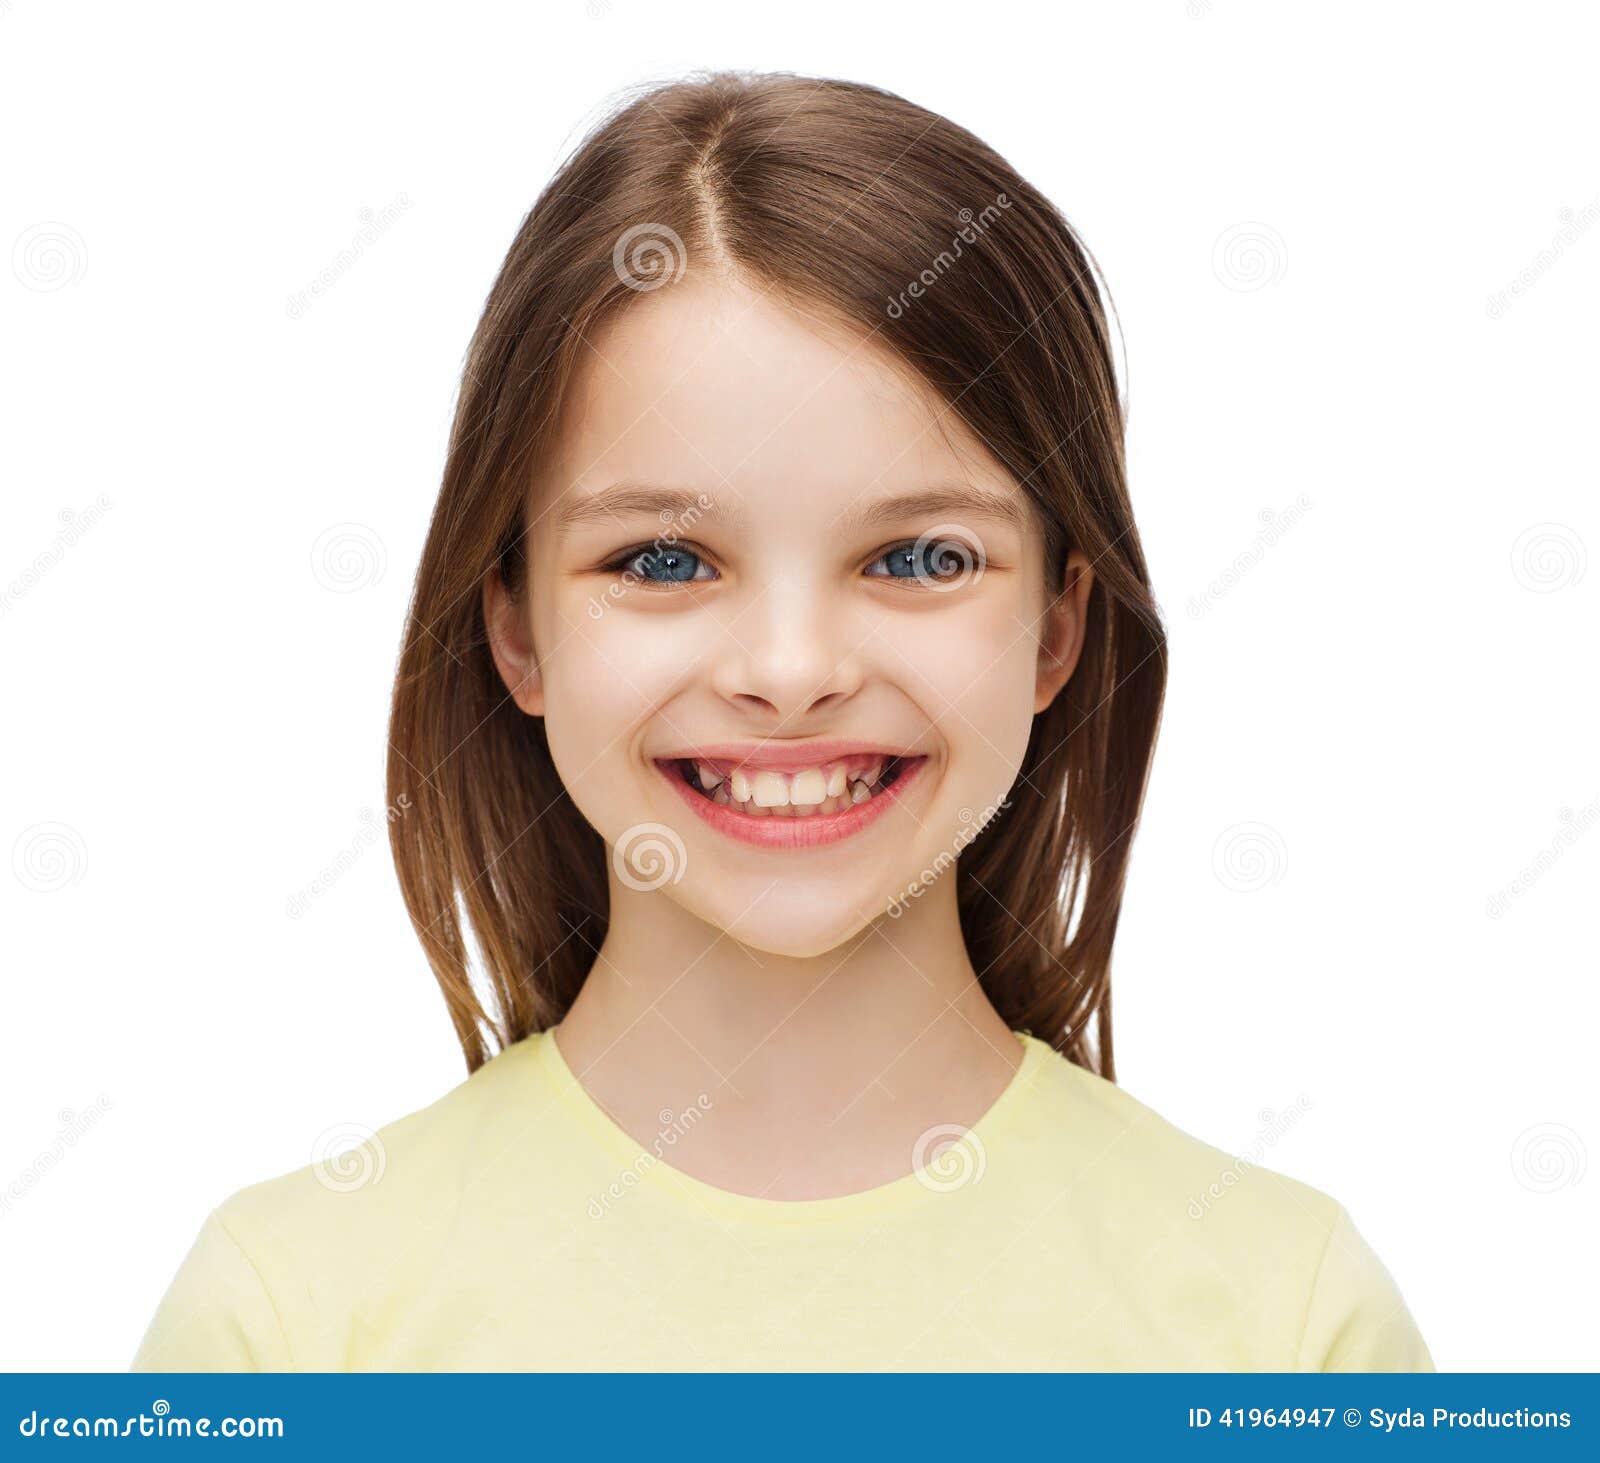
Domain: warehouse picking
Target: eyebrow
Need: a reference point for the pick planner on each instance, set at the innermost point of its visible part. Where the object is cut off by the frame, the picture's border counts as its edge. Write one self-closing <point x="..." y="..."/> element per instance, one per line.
<point x="955" y="501"/>
<point x="620" y="499"/>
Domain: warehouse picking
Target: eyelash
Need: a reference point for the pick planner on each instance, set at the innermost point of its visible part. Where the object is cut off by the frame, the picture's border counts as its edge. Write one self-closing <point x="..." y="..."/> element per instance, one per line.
<point x="624" y="561"/>
<point x="967" y="556"/>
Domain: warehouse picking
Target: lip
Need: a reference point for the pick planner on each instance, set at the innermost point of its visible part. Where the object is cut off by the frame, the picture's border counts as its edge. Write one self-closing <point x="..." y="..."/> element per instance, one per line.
<point x="781" y="756"/>
<point x="813" y="831"/>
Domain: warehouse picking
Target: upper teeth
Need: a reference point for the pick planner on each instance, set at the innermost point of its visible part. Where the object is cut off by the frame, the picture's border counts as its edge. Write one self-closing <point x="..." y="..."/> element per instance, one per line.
<point x="809" y="788"/>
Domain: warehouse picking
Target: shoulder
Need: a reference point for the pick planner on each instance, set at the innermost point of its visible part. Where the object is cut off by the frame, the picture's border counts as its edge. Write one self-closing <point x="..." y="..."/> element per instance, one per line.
<point x="300" y="1271"/>
<point x="368" y="1183"/>
<point x="1281" y="1255"/>
<point x="1091" y="1124"/>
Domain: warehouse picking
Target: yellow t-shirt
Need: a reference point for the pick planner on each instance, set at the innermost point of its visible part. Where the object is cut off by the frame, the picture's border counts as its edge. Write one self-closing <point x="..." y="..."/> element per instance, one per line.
<point x="512" y="1225"/>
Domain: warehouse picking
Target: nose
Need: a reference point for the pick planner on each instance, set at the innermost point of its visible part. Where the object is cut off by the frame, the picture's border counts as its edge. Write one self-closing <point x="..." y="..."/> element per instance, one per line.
<point x="788" y="655"/>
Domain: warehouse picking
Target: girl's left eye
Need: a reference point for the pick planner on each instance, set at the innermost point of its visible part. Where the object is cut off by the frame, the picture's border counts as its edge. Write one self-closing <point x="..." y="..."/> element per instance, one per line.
<point x="931" y="561"/>
<point x="665" y="566"/>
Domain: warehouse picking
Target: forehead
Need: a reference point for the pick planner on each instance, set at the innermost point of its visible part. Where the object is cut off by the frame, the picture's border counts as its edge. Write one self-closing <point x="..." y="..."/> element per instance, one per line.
<point x="711" y="385"/>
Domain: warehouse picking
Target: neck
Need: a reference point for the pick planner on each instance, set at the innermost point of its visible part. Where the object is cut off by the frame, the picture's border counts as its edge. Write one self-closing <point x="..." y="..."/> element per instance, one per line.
<point x="817" y="1073"/>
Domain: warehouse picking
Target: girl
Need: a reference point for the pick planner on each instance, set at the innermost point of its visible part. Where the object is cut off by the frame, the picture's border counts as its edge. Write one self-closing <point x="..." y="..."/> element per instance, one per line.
<point x="773" y="718"/>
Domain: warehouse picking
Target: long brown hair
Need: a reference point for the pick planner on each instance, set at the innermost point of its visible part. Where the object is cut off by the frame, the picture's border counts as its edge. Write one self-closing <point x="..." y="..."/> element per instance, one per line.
<point x="846" y="197"/>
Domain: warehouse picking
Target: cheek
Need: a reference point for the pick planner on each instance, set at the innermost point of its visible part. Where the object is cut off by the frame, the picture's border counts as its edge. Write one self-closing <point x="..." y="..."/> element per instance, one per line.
<point x="594" y="696"/>
<point x="975" y="670"/>
<point x="607" y="670"/>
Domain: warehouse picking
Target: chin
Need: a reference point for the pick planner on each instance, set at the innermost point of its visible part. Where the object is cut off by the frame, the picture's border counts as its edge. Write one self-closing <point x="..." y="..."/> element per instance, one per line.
<point x="787" y="927"/>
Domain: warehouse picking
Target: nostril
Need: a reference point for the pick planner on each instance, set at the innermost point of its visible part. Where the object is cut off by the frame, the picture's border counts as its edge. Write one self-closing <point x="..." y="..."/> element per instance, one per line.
<point x="753" y="703"/>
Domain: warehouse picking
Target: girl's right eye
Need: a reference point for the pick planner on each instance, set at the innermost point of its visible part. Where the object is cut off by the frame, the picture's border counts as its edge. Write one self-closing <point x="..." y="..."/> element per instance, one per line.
<point x="664" y="566"/>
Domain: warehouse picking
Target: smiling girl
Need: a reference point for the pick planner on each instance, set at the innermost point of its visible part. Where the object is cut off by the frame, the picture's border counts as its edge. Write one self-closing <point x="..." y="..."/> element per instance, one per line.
<point x="775" y="709"/>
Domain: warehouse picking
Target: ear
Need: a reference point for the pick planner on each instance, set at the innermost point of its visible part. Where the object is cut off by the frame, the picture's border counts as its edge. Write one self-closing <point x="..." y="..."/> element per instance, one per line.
<point x="508" y="624"/>
<point x="1062" y="630"/>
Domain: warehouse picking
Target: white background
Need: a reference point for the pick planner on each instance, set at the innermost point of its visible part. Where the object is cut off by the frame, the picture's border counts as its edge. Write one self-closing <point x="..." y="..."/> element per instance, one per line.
<point x="1384" y="719"/>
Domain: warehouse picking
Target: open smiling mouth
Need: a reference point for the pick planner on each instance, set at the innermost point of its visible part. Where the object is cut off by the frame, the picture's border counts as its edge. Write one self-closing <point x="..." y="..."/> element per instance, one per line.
<point x="792" y="808"/>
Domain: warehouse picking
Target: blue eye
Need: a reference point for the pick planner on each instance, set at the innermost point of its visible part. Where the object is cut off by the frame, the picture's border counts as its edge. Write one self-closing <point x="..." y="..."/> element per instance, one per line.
<point x="935" y="560"/>
<point x="665" y="566"/>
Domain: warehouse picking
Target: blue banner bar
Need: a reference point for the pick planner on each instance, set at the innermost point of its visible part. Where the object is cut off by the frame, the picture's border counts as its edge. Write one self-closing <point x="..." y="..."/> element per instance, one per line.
<point x="883" y="1416"/>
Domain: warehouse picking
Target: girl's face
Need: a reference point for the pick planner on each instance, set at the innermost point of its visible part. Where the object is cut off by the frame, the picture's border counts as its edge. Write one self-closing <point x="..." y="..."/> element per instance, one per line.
<point x="787" y="620"/>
